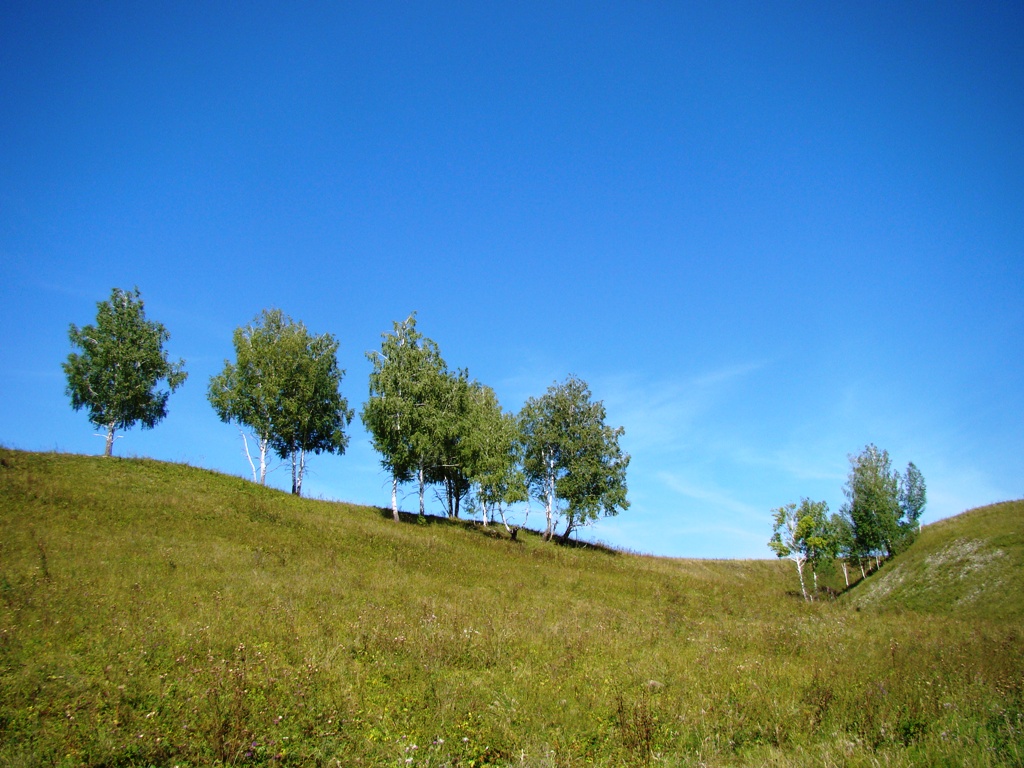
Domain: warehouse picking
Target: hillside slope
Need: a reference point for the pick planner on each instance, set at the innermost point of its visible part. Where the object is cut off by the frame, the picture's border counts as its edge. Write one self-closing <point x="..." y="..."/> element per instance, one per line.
<point x="158" y="614"/>
<point x="970" y="565"/>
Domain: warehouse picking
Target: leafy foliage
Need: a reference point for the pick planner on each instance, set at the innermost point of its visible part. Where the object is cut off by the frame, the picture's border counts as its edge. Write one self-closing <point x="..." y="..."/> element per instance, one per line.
<point x="452" y="436"/>
<point x="802" y="534"/>
<point x="493" y="448"/>
<point x="912" y="497"/>
<point x="285" y="387"/>
<point x="247" y="392"/>
<point x="122" y="361"/>
<point x="571" y="458"/>
<point x="882" y="506"/>
<point x="404" y="411"/>
<point x="313" y="414"/>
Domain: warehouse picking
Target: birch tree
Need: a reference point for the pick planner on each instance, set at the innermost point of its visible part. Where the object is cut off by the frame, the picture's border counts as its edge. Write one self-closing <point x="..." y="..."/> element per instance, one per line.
<point x="493" y="451"/>
<point x="451" y="428"/>
<point x="247" y="392"/>
<point x="800" y="533"/>
<point x="882" y="506"/>
<point x="285" y="388"/>
<point x="842" y="535"/>
<point x="571" y="459"/>
<point x="312" y="414"/>
<point x="120" y="365"/>
<point x="401" y="412"/>
<point x="912" y="499"/>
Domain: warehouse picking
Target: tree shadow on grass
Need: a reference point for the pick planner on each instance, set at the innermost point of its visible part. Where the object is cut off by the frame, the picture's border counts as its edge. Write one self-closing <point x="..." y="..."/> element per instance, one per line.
<point x="492" y="531"/>
<point x="594" y="546"/>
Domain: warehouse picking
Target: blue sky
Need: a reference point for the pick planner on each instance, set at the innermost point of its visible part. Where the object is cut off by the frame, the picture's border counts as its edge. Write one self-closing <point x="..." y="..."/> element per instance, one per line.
<point x="765" y="234"/>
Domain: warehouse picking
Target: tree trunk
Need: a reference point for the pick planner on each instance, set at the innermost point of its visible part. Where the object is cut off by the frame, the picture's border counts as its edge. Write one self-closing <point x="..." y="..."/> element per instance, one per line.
<point x="264" y="445"/>
<point x="549" y="500"/>
<point x="248" y="456"/>
<point x="394" y="497"/>
<point x="800" y="572"/>
<point x="549" y="528"/>
<point x="423" y="485"/>
<point x="501" y="511"/>
<point x="298" y="469"/>
<point x="302" y="471"/>
<point x="483" y="508"/>
<point x="109" y="450"/>
<point x="846" y="574"/>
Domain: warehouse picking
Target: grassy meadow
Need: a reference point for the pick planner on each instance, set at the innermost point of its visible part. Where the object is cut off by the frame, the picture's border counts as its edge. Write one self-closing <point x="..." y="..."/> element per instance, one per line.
<point x="159" y="614"/>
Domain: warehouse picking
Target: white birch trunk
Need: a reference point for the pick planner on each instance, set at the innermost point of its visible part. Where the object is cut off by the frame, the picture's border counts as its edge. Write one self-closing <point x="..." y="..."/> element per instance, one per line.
<point x="302" y="471"/>
<point x="549" y="498"/>
<point x="248" y="456"/>
<point x="501" y="511"/>
<point x="264" y="445"/>
<point x="109" y="450"/>
<point x="800" y="571"/>
<point x="394" y="497"/>
<point x="423" y="483"/>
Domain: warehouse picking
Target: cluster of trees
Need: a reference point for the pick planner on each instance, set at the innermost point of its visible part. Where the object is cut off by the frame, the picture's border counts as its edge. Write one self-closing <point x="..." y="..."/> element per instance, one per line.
<point x="283" y="387"/>
<point x="430" y="424"/>
<point x="434" y="425"/>
<point x="880" y="517"/>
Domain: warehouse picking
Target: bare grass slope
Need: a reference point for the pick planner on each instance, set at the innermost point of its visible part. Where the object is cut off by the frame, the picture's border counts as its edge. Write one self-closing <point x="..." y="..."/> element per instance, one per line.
<point x="970" y="565"/>
<point x="158" y="614"/>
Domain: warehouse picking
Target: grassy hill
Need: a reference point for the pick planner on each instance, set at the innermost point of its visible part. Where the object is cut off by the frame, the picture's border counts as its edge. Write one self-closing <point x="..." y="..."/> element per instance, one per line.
<point x="971" y="565"/>
<point x="158" y="614"/>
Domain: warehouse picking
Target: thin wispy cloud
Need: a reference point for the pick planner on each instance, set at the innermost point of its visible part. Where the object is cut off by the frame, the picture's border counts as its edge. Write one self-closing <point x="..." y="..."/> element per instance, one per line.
<point x="715" y="498"/>
<point x="662" y="414"/>
<point x="716" y="378"/>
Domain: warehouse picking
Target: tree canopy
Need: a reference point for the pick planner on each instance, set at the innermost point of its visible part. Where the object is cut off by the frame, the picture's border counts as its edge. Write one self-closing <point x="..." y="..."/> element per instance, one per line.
<point x="572" y="460"/>
<point x="883" y="507"/>
<point x="452" y="433"/>
<point x="402" y="413"/>
<point x="492" y="449"/>
<point x="122" y="361"/>
<point x="284" y="387"/>
<point x="247" y="391"/>
<point x="801" y="533"/>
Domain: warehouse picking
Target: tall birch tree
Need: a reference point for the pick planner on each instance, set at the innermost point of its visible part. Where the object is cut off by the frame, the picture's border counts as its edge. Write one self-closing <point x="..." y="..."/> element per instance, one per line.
<point x="312" y="415"/>
<point x="493" y="449"/>
<point x="401" y="412"/>
<point x="572" y="460"/>
<point x="882" y="506"/>
<point x="248" y="391"/>
<point x="285" y="388"/>
<point x="120" y="364"/>
<point x="800" y="533"/>
<point x="452" y="430"/>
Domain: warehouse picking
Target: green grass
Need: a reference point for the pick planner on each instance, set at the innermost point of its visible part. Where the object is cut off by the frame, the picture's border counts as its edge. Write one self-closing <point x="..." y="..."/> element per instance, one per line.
<point x="158" y="614"/>
<point x="971" y="566"/>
